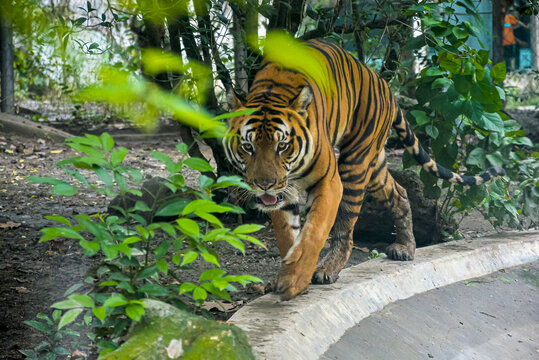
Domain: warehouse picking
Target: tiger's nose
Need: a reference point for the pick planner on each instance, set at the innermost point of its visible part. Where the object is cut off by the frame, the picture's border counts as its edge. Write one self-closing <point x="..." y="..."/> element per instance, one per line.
<point x="265" y="184"/>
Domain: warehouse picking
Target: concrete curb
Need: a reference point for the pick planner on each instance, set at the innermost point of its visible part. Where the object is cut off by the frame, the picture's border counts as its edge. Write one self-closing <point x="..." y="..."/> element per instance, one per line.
<point x="21" y="126"/>
<point x="305" y="327"/>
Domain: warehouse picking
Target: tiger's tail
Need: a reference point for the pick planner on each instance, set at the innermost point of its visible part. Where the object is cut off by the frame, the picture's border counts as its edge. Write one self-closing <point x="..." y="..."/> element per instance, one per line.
<point x="413" y="146"/>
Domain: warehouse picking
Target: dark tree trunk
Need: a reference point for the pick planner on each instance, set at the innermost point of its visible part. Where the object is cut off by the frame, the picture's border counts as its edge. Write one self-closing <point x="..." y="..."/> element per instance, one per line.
<point x="288" y="15"/>
<point x="7" y="94"/>
<point x="497" y="30"/>
<point x="376" y="225"/>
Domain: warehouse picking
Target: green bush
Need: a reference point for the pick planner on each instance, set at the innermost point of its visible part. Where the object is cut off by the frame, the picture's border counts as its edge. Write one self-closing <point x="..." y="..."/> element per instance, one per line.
<point x="139" y="257"/>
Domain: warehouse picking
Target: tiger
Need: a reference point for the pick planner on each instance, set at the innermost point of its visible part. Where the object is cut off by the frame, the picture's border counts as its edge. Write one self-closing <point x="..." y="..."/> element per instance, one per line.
<point x="306" y="148"/>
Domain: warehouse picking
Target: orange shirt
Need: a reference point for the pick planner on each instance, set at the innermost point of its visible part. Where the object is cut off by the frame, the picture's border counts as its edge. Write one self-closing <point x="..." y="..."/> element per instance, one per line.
<point x="508" y="34"/>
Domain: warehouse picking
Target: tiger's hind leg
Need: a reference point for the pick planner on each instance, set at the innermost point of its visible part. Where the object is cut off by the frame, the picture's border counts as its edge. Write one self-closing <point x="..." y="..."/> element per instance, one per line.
<point x="394" y="198"/>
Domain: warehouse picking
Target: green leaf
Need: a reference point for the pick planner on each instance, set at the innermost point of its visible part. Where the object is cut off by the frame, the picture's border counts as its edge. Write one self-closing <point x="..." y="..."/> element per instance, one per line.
<point x="100" y="313"/>
<point x="189" y="257"/>
<point x="210" y="258"/>
<point x="106" y="140"/>
<point x="134" y="311"/>
<point x="162" y="250"/>
<point x="83" y="300"/>
<point x="186" y="287"/>
<point x="206" y="206"/>
<point x="498" y="72"/>
<point x="147" y="272"/>
<point x="198" y="164"/>
<point x="495" y="159"/>
<point x="172" y="207"/>
<point x="45" y="180"/>
<point x="476" y="157"/>
<point x="182" y="148"/>
<point x="118" y="155"/>
<point x="52" y="233"/>
<point x="69" y="317"/>
<point x="115" y="300"/>
<point x="162" y="266"/>
<point x="39" y="326"/>
<point x="61" y="219"/>
<point x="63" y="189"/>
<point x="247" y="228"/>
<point x="211" y="274"/>
<point x="66" y="304"/>
<point x="188" y="227"/>
<point x="153" y="290"/>
<point x="200" y="294"/>
<point x="432" y="131"/>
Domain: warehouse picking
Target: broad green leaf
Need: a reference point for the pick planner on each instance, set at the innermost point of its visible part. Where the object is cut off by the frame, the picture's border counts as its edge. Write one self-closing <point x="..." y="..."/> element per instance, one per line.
<point x="198" y="164"/>
<point x="200" y="294"/>
<point x="172" y="207"/>
<point x="38" y="325"/>
<point x="100" y="313"/>
<point x="61" y="219"/>
<point x="153" y="290"/>
<point x="147" y="272"/>
<point x="134" y="311"/>
<point x="432" y="131"/>
<point x="115" y="300"/>
<point x="211" y="274"/>
<point x="117" y="156"/>
<point x="186" y="287"/>
<point x="63" y="189"/>
<point x="206" y="206"/>
<point x="66" y="304"/>
<point x="69" y="317"/>
<point x="162" y="250"/>
<point x="189" y="257"/>
<point x="83" y="300"/>
<point x="210" y="258"/>
<point x="498" y="72"/>
<point x="247" y="228"/>
<point x="162" y="266"/>
<point x="188" y="227"/>
<point x="107" y="141"/>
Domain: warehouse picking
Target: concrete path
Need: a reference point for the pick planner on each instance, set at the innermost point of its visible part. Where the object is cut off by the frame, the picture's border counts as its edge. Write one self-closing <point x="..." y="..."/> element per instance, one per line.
<point x="492" y="317"/>
<point x="305" y="327"/>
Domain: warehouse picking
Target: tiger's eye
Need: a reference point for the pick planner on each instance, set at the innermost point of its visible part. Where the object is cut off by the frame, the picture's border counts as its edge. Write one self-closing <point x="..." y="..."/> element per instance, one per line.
<point x="282" y="146"/>
<point x="247" y="148"/>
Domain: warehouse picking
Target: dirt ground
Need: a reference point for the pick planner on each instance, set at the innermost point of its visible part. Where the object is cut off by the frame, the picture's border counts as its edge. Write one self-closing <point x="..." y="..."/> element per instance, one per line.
<point x="34" y="275"/>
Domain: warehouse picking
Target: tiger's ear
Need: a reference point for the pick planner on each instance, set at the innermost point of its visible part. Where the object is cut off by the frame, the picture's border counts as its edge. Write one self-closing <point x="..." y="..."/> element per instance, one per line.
<point x="233" y="101"/>
<point x="301" y="102"/>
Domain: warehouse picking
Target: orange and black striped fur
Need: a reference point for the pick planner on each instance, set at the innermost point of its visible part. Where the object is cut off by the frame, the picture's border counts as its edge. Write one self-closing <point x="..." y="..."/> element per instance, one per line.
<point x="285" y="150"/>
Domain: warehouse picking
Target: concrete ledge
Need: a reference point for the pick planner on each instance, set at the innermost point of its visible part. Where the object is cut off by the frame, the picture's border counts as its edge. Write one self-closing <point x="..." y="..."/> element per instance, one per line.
<point x="21" y="126"/>
<point x="305" y="327"/>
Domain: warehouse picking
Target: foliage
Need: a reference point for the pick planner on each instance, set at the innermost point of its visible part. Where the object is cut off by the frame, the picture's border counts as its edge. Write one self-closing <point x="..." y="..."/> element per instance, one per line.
<point x="54" y="330"/>
<point x="140" y="257"/>
<point x="459" y="112"/>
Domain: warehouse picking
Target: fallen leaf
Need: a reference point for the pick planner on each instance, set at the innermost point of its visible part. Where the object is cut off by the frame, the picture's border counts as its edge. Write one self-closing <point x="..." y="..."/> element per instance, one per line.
<point x="220" y="306"/>
<point x="22" y="289"/>
<point x="56" y="151"/>
<point x="78" y="353"/>
<point x="9" y="225"/>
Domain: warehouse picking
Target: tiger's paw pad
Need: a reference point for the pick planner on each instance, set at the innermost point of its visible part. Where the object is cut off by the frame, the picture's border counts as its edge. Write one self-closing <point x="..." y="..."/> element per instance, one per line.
<point x="321" y="277"/>
<point x="399" y="252"/>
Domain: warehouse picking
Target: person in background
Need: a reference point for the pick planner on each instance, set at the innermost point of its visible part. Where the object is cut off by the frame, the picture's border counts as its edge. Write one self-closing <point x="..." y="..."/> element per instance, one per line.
<point x="510" y="48"/>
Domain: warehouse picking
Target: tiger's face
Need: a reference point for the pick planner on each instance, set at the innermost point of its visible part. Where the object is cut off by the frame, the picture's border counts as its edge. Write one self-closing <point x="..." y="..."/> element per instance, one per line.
<point x="270" y="147"/>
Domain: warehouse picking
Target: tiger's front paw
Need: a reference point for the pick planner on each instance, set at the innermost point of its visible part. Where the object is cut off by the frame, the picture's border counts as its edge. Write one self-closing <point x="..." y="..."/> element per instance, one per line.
<point x="293" y="280"/>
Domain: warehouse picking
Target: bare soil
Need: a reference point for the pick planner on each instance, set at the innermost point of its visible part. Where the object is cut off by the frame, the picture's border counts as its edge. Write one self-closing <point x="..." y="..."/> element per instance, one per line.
<point x="34" y="275"/>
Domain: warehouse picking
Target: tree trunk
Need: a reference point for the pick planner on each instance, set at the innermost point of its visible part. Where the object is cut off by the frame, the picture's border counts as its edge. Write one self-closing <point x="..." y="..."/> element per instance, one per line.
<point x="7" y="94"/>
<point x="497" y="30"/>
<point x="376" y="225"/>
<point x="288" y="15"/>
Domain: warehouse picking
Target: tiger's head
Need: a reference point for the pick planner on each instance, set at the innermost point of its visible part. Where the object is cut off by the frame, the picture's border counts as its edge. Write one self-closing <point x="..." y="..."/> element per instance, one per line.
<point x="271" y="146"/>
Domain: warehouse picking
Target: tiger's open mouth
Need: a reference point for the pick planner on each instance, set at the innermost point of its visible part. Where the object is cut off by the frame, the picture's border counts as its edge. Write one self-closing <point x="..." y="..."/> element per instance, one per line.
<point x="270" y="200"/>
